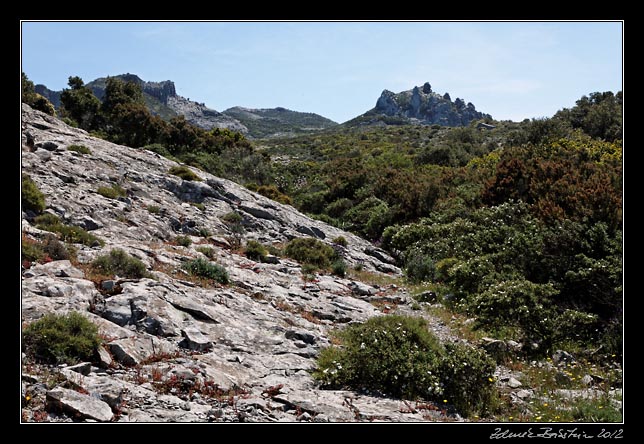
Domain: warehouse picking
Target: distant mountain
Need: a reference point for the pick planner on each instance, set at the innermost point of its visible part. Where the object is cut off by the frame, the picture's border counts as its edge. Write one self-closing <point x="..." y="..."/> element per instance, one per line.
<point x="162" y="99"/>
<point x="419" y="105"/>
<point x="273" y="122"/>
<point x="52" y="96"/>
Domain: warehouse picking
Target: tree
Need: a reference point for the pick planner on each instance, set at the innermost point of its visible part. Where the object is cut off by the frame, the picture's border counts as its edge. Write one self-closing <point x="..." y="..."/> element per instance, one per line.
<point x="33" y="99"/>
<point x="118" y="92"/>
<point x="599" y="116"/>
<point x="80" y="104"/>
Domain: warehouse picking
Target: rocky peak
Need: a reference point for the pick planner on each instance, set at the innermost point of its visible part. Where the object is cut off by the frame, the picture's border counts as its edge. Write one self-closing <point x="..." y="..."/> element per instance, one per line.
<point x="162" y="91"/>
<point x="427" y="107"/>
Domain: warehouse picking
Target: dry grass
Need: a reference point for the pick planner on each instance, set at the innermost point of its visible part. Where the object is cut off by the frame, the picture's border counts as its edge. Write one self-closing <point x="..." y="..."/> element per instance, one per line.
<point x="305" y="314"/>
<point x="374" y="279"/>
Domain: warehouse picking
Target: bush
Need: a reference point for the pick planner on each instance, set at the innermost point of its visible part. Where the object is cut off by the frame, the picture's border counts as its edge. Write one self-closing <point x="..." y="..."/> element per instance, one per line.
<point x="339" y="268"/>
<point x="113" y="192"/>
<point x="198" y="206"/>
<point x="399" y="356"/>
<point x="68" y="233"/>
<point x="184" y="173"/>
<point x="183" y="241"/>
<point x="32" y="198"/>
<point x="58" y="339"/>
<point x="309" y="270"/>
<point x="47" y="220"/>
<point x="42" y="104"/>
<point x="154" y="209"/>
<point x="118" y="262"/>
<point x="55" y="249"/>
<point x="340" y="240"/>
<point x="519" y="303"/>
<point x="81" y="149"/>
<point x="419" y="267"/>
<point x="203" y="268"/>
<point x="207" y="251"/>
<point x="310" y="251"/>
<point x="254" y="250"/>
<point x="273" y="193"/>
<point x="467" y="375"/>
<point x="395" y="355"/>
<point x="204" y="232"/>
<point x="232" y="218"/>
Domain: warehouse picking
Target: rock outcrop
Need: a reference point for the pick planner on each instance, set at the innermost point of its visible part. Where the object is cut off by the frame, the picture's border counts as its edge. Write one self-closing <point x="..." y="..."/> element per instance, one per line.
<point x="419" y="105"/>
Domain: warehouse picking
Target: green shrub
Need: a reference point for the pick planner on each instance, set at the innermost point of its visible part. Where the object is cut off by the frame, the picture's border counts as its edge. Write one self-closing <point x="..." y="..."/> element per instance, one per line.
<point x="42" y="104"/>
<point x="112" y="192"/>
<point x="207" y="251"/>
<point x="183" y="241"/>
<point x="585" y="410"/>
<point x="309" y="269"/>
<point x="273" y="193"/>
<point x="118" y="262"/>
<point x="232" y="218"/>
<point x="254" y="250"/>
<point x="340" y="240"/>
<point x="198" y="205"/>
<point x="419" y="267"/>
<point x="81" y="149"/>
<point x="47" y="220"/>
<point x="307" y="250"/>
<point x="31" y="250"/>
<point x="339" y="268"/>
<point x="519" y="303"/>
<point x="68" y="233"/>
<point x="203" y="268"/>
<point x="78" y="235"/>
<point x="398" y="356"/>
<point x="204" y="232"/>
<point x="55" y="249"/>
<point x="56" y="339"/>
<point x="467" y="375"/>
<point x="32" y="198"/>
<point x="184" y="173"/>
<point x="395" y="355"/>
<point x="154" y="209"/>
<point x="275" y="251"/>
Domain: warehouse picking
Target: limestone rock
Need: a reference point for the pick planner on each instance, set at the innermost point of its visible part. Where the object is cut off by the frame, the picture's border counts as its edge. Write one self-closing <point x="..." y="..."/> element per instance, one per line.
<point x="194" y="340"/>
<point x="78" y="405"/>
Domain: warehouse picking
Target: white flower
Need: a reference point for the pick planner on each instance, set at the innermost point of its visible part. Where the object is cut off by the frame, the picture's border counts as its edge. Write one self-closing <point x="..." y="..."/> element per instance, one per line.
<point x="362" y="346"/>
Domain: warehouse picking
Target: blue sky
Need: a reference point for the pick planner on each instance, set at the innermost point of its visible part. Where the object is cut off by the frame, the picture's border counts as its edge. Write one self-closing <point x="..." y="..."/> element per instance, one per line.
<point x="511" y="70"/>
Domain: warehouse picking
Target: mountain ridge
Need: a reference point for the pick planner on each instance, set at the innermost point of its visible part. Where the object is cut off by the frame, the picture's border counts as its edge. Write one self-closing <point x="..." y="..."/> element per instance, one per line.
<point x="162" y="99"/>
<point x="279" y="121"/>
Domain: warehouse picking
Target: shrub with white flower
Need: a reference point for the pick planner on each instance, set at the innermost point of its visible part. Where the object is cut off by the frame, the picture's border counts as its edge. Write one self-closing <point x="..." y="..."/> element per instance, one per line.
<point x="398" y="356"/>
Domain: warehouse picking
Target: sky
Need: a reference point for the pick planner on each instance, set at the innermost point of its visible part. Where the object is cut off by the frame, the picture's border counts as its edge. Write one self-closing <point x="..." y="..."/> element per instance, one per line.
<point x="511" y="70"/>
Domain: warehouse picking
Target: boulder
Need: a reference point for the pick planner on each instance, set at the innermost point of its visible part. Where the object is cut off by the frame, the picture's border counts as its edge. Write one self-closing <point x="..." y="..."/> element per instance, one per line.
<point x="195" y="340"/>
<point x="361" y="289"/>
<point x="78" y="405"/>
<point x="258" y="212"/>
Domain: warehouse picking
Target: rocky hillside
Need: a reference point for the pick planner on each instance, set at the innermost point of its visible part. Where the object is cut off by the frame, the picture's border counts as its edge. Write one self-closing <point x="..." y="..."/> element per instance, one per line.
<point x="420" y="105"/>
<point x="278" y="122"/>
<point x="254" y="339"/>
